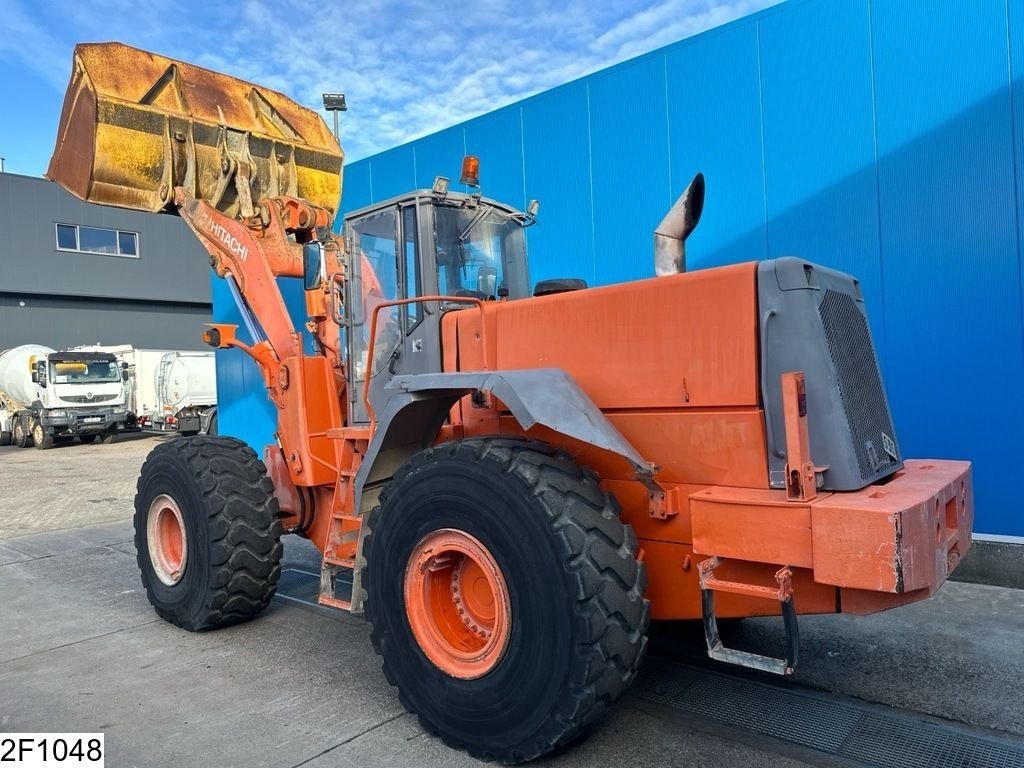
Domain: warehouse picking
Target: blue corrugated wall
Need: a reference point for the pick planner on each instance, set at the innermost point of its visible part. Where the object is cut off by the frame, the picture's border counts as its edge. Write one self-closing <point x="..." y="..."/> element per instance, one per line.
<point x="881" y="137"/>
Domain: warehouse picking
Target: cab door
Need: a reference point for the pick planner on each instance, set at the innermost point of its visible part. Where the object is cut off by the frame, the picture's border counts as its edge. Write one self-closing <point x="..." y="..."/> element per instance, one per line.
<point x="386" y="264"/>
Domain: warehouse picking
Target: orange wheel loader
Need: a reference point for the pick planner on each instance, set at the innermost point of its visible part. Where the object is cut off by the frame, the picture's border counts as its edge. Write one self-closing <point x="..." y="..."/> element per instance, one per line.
<point x="514" y="479"/>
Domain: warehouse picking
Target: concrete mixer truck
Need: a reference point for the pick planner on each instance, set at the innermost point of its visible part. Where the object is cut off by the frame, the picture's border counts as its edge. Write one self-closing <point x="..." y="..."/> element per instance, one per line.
<point x="46" y="396"/>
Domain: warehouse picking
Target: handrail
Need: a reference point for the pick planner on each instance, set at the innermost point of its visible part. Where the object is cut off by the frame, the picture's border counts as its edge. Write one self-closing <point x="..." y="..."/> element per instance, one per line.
<point x="368" y="373"/>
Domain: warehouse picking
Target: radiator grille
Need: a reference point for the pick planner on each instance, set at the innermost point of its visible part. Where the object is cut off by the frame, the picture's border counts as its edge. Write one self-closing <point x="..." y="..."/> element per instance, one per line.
<point x="860" y="384"/>
<point x="84" y="399"/>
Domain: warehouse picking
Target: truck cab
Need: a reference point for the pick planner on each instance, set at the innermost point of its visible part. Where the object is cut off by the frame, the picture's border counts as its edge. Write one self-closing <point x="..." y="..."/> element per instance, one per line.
<point x="76" y="394"/>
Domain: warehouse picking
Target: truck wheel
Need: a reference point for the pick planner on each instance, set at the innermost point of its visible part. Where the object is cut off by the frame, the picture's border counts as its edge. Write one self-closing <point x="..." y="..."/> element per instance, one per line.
<point x="109" y="437"/>
<point x="5" y="438"/>
<point x="207" y="534"/>
<point x="41" y="436"/>
<point x="87" y="438"/>
<point x="20" y="436"/>
<point x="504" y="595"/>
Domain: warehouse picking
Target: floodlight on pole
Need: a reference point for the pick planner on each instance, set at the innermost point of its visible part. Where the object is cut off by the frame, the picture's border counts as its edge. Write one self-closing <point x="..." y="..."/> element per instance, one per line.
<point x="335" y="103"/>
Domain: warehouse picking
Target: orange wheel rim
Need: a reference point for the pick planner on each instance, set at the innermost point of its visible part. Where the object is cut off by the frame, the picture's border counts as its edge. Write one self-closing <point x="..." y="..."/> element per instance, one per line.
<point x="457" y="603"/>
<point x="165" y="532"/>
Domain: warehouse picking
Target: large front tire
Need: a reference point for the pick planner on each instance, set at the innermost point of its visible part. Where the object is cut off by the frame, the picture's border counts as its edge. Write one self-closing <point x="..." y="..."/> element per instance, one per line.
<point x="207" y="533"/>
<point x="42" y="438"/>
<point x="560" y="613"/>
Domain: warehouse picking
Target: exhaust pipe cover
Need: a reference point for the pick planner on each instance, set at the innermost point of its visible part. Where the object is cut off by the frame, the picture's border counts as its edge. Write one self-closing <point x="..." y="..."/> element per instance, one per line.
<point x="670" y="235"/>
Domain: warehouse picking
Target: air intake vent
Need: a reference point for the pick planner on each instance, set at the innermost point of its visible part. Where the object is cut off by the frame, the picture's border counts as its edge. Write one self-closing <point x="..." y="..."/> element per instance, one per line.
<point x="860" y="384"/>
<point x="813" y="320"/>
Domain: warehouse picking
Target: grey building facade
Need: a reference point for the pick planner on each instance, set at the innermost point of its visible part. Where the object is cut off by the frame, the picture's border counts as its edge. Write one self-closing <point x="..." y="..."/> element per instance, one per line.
<point x="75" y="273"/>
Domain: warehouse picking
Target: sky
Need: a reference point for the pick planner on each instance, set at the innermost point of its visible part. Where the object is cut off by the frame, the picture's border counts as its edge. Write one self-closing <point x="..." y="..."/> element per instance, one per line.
<point x="408" y="68"/>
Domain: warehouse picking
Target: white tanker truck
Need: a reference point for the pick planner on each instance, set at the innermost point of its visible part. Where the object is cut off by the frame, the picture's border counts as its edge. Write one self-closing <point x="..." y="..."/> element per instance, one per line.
<point x="167" y="389"/>
<point x="47" y="395"/>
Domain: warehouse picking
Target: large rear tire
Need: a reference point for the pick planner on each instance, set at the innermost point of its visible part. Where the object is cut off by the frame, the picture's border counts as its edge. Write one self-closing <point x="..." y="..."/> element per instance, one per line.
<point x="207" y="533"/>
<point x="88" y="438"/>
<point x="109" y="437"/>
<point x="20" y="435"/>
<point x="516" y="543"/>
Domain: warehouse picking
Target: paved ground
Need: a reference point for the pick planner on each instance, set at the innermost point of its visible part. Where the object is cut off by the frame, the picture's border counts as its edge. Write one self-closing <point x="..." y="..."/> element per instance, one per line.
<point x="80" y="649"/>
<point x="70" y="484"/>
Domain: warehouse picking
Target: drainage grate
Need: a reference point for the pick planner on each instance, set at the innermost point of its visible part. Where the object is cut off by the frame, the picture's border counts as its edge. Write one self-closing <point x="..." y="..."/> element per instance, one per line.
<point x="818" y="722"/>
<point x="299" y="586"/>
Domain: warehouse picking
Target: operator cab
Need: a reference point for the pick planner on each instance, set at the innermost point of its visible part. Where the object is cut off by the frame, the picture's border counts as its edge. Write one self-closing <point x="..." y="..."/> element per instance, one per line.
<point x="431" y="242"/>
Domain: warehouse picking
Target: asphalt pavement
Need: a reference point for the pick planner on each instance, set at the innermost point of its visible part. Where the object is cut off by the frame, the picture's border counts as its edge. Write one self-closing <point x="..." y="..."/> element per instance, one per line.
<point x="81" y="650"/>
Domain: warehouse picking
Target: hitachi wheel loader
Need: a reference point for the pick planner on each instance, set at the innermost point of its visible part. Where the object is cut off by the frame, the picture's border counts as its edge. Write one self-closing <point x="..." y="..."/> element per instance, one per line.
<point x="514" y="479"/>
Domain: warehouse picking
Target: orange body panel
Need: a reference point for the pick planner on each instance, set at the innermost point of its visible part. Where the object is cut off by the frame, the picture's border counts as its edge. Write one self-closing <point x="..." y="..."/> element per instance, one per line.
<point x="311" y="408"/>
<point x="692" y="408"/>
<point x="751" y="524"/>
<point x="903" y="536"/>
<point x="612" y="340"/>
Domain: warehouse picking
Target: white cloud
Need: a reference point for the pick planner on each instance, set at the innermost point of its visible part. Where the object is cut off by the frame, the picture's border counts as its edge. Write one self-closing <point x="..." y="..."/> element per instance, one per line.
<point x="29" y="41"/>
<point x="408" y="68"/>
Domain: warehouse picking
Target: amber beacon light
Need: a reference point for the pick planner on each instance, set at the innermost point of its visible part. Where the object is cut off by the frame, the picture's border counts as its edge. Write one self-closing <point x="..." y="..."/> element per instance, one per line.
<point x="470" y="171"/>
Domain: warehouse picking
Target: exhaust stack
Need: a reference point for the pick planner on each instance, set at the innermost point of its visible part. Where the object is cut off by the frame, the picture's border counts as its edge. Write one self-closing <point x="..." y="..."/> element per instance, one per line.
<point x="670" y="235"/>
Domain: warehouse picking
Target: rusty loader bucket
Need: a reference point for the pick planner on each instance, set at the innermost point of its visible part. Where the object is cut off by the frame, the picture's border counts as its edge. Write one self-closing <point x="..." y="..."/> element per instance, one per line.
<point x="136" y="125"/>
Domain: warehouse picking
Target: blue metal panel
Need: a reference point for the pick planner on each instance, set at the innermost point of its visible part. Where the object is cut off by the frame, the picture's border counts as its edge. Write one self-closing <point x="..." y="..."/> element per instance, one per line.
<point x="356" y="189"/>
<point x="1015" y="17"/>
<point x="497" y="139"/>
<point x="392" y="173"/>
<point x="556" y="150"/>
<point x="440" y="154"/>
<point x="629" y="157"/>
<point x="717" y="130"/>
<point x="950" y="253"/>
<point x="243" y="408"/>
<point x="822" y="203"/>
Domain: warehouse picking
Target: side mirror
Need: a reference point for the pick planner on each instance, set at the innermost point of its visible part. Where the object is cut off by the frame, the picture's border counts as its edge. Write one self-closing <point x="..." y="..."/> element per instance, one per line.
<point x="35" y="377"/>
<point x="39" y="374"/>
<point x="487" y="280"/>
<point x="313" y="265"/>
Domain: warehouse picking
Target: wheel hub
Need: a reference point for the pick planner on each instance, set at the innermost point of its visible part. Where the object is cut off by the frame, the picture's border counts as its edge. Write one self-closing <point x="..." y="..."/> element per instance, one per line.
<point x="168" y="545"/>
<point x="457" y="603"/>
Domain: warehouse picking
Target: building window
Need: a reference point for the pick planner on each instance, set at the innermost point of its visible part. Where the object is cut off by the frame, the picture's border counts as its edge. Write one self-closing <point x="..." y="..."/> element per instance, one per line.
<point x="109" y="242"/>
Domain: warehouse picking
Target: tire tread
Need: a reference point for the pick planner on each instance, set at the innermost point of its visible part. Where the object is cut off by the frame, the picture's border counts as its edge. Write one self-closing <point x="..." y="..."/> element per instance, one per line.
<point x="244" y="527"/>
<point x="611" y="613"/>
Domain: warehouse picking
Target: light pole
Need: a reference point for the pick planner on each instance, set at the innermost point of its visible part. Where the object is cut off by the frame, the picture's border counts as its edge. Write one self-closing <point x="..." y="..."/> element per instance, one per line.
<point x="335" y="103"/>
